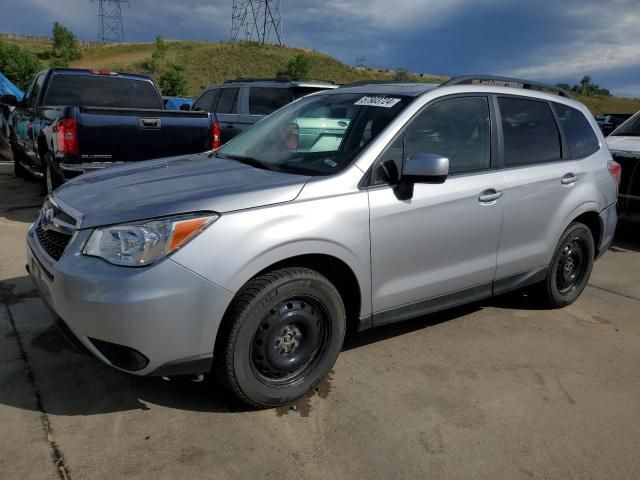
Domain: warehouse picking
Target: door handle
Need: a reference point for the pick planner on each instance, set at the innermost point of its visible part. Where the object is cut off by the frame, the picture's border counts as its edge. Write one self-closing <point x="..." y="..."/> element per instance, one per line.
<point x="569" y="179"/>
<point x="490" y="195"/>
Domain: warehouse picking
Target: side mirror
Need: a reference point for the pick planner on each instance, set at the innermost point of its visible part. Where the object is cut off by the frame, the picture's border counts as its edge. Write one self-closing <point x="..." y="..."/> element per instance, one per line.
<point x="421" y="168"/>
<point x="185" y="106"/>
<point x="425" y="168"/>
<point x="8" y="100"/>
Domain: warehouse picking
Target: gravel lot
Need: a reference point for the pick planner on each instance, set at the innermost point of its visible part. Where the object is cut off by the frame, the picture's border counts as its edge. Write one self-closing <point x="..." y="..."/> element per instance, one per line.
<point x="499" y="389"/>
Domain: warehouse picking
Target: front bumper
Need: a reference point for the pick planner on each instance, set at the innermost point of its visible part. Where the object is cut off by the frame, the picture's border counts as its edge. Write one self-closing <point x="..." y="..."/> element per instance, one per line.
<point x="165" y="312"/>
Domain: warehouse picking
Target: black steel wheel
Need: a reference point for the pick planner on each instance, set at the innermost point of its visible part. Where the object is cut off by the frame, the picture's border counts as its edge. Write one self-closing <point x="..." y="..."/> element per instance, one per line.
<point x="571" y="266"/>
<point x="281" y="336"/>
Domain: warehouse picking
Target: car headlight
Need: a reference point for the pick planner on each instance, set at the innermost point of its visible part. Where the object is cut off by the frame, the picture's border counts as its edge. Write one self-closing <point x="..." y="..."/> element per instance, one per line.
<point x="142" y="243"/>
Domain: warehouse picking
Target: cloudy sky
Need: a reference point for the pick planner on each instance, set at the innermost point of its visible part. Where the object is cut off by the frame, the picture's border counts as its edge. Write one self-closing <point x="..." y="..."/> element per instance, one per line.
<point x="548" y="40"/>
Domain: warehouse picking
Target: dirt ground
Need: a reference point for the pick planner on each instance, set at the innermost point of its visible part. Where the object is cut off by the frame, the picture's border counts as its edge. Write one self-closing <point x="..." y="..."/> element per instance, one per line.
<point x="499" y="389"/>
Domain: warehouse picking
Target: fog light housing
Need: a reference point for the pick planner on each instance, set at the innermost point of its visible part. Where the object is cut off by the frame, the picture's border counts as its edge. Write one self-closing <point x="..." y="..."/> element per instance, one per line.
<point x="120" y="356"/>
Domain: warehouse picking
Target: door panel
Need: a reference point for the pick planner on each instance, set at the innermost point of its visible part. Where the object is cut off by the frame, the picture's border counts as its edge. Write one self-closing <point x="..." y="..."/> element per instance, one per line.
<point x="536" y="202"/>
<point x="441" y="241"/>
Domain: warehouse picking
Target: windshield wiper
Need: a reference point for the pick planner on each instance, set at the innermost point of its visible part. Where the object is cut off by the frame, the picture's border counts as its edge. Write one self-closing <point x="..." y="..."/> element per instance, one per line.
<point x="248" y="161"/>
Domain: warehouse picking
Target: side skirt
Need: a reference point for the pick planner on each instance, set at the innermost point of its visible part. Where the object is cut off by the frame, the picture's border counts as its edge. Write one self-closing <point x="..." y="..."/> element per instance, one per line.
<point x="455" y="299"/>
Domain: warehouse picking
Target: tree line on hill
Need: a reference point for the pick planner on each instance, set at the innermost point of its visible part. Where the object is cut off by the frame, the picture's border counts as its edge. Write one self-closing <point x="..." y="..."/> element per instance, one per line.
<point x="586" y="88"/>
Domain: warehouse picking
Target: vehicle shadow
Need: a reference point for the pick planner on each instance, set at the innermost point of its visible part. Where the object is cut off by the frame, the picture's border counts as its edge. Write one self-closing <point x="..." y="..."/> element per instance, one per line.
<point x="20" y="199"/>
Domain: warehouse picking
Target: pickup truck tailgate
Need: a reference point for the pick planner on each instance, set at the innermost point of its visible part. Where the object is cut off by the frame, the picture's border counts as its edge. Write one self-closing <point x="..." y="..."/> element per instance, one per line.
<point x="123" y="135"/>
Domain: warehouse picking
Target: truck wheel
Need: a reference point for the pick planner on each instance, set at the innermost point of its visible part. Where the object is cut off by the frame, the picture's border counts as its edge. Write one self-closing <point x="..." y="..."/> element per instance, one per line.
<point x="51" y="179"/>
<point x="570" y="267"/>
<point x="18" y="168"/>
<point x="282" y="334"/>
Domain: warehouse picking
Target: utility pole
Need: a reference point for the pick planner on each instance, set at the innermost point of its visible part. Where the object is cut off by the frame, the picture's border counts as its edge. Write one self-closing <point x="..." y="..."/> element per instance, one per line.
<point x="110" y="26"/>
<point x="256" y="20"/>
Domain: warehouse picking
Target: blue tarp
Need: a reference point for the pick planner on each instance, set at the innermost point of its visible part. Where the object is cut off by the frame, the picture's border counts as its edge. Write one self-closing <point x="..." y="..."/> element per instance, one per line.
<point x="6" y="87"/>
<point x="173" y="103"/>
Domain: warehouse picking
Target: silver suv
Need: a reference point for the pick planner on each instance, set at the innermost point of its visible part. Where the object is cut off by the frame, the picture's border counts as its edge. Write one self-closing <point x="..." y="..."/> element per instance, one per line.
<point x="344" y="210"/>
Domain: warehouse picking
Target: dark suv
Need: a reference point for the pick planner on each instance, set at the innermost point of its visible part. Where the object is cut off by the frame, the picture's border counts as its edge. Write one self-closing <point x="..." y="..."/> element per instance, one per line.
<point x="243" y="102"/>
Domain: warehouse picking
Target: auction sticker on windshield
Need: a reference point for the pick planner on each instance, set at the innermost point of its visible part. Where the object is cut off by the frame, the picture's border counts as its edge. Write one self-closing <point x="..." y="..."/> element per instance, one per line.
<point x="377" y="101"/>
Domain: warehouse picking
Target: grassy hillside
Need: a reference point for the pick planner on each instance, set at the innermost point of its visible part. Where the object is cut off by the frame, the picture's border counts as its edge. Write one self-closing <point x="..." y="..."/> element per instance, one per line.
<point x="208" y="63"/>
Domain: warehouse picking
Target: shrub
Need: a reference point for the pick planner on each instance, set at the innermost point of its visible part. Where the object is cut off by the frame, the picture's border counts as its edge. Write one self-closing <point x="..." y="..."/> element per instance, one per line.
<point x="18" y="65"/>
<point x="173" y="82"/>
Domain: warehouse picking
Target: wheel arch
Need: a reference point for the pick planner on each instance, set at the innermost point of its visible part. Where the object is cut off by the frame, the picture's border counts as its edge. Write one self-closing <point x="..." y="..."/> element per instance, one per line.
<point x="337" y="272"/>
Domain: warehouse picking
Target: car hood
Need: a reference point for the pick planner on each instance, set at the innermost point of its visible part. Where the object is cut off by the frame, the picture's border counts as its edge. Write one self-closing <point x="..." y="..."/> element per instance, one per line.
<point x="175" y="185"/>
<point x="624" y="144"/>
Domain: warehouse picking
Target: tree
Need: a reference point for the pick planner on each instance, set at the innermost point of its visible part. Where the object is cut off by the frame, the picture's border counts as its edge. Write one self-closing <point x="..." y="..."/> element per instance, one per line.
<point x="159" y="52"/>
<point x="64" y="48"/>
<point x="586" y="87"/>
<point x="18" y="65"/>
<point x="298" y="66"/>
<point x="173" y="82"/>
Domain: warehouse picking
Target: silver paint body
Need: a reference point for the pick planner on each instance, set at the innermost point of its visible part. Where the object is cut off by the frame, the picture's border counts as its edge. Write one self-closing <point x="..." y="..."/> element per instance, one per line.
<point x="441" y="241"/>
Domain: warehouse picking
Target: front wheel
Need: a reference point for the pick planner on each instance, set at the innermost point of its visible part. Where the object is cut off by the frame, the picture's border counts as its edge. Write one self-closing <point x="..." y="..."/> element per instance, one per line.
<point x="570" y="267"/>
<point x="282" y="335"/>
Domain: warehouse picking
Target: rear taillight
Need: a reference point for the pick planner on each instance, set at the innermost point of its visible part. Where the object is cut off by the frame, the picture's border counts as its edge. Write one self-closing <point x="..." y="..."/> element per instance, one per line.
<point x="215" y="135"/>
<point x="615" y="170"/>
<point x="67" y="136"/>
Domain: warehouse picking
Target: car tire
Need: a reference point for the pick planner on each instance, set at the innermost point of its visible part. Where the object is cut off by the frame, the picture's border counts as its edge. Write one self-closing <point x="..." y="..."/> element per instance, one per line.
<point x="281" y="336"/>
<point x="570" y="267"/>
<point x="51" y="179"/>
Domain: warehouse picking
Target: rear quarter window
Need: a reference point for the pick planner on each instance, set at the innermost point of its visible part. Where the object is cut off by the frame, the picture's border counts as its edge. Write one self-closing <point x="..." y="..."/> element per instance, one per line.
<point x="530" y="132"/>
<point x="266" y="100"/>
<point x="577" y="130"/>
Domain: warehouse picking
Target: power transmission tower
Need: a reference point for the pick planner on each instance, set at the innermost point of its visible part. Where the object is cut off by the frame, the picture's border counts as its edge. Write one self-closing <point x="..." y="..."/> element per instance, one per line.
<point x="361" y="62"/>
<point x="110" y="27"/>
<point x="256" y="20"/>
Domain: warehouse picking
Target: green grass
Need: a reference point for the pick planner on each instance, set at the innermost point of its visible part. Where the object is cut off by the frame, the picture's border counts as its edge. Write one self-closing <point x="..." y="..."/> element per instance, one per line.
<point x="207" y="63"/>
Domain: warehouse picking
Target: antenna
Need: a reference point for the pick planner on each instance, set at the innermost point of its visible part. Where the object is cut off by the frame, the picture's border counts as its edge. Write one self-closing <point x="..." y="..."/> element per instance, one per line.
<point x="256" y="20"/>
<point x="110" y="28"/>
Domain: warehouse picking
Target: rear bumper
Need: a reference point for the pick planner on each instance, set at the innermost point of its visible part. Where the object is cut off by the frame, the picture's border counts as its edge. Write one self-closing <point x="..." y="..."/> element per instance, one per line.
<point x="147" y="321"/>
<point x="609" y="218"/>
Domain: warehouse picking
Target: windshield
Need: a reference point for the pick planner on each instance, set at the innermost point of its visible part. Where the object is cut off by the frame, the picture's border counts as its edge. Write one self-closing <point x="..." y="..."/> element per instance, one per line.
<point x="317" y="135"/>
<point x="630" y="128"/>
<point x="101" y="91"/>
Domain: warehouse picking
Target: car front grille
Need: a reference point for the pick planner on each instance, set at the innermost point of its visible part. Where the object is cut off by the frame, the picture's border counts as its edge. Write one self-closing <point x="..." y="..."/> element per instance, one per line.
<point x="52" y="242"/>
<point x="54" y="229"/>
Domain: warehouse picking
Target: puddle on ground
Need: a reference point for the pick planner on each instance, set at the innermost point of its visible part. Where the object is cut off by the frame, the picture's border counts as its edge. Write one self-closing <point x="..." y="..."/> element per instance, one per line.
<point x="302" y="406"/>
<point x="9" y="298"/>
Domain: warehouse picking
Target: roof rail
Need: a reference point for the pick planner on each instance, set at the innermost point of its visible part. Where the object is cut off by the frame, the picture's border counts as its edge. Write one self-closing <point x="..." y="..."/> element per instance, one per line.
<point x="374" y="82"/>
<point x="279" y="78"/>
<point x="504" y="82"/>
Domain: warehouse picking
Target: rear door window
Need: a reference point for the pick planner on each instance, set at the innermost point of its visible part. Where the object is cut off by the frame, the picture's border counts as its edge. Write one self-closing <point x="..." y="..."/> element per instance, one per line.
<point x="266" y="100"/>
<point x="228" y="100"/>
<point x="577" y="130"/>
<point x="530" y="132"/>
<point x="207" y="100"/>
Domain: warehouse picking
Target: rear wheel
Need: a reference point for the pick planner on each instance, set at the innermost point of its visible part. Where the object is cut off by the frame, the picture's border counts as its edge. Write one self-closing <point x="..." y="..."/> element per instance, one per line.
<point x="571" y="266"/>
<point x="51" y="179"/>
<point x="284" y="331"/>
